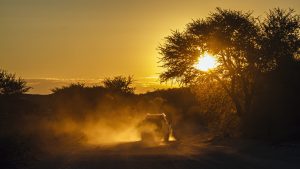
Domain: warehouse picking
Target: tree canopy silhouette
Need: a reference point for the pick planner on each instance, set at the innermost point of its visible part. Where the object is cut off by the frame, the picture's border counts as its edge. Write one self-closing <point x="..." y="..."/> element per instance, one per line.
<point x="11" y="85"/>
<point x="280" y="41"/>
<point x="244" y="46"/>
<point x="119" y="84"/>
<point x="72" y="88"/>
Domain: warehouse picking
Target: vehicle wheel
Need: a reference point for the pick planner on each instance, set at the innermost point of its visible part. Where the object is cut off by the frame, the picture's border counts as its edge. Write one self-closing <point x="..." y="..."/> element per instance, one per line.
<point x="166" y="137"/>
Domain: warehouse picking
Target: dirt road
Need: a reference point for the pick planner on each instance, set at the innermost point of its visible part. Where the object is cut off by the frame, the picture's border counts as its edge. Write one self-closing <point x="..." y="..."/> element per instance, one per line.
<point x="189" y="153"/>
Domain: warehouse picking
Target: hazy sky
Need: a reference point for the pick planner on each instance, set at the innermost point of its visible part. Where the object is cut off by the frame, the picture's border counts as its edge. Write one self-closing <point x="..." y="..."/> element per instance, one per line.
<point x="99" y="38"/>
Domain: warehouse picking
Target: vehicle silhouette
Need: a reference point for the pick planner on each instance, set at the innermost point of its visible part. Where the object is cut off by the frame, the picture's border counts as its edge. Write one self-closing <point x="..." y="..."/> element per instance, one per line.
<point x="155" y="128"/>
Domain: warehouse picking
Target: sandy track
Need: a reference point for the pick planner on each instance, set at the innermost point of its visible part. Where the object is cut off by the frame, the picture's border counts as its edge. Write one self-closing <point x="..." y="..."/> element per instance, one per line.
<point x="190" y="154"/>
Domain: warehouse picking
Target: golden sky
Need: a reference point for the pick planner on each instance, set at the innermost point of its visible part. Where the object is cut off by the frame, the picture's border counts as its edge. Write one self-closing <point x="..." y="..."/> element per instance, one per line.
<point x="99" y="38"/>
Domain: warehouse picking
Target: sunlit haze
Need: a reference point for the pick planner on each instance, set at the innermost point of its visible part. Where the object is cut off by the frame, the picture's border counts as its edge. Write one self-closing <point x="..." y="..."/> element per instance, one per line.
<point x="89" y="39"/>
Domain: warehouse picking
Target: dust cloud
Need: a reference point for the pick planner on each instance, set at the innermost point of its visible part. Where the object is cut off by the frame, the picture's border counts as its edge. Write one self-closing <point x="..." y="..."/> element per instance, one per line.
<point x="103" y="129"/>
<point x="106" y="124"/>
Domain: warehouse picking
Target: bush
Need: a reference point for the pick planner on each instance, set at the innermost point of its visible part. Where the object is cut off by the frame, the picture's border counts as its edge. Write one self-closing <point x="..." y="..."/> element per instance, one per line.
<point x="10" y="85"/>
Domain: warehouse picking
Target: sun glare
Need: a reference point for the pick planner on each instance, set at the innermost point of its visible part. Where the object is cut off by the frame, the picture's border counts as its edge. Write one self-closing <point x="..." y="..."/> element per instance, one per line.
<point x="206" y="62"/>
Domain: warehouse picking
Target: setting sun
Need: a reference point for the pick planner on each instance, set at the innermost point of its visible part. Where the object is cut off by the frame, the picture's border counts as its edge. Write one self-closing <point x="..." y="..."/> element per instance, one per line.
<point x="206" y="62"/>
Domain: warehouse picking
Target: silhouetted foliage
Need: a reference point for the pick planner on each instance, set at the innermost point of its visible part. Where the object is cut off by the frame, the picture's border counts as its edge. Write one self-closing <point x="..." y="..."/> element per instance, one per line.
<point x="77" y="98"/>
<point x="72" y="88"/>
<point x="232" y="37"/>
<point x="11" y="85"/>
<point x="276" y="111"/>
<point x="245" y="47"/>
<point x="119" y="84"/>
<point x="280" y="41"/>
<point x="217" y="109"/>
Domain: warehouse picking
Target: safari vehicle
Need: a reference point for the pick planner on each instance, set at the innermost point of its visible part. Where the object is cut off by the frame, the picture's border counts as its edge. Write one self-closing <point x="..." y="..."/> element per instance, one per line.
<point x="155" y="128"/>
